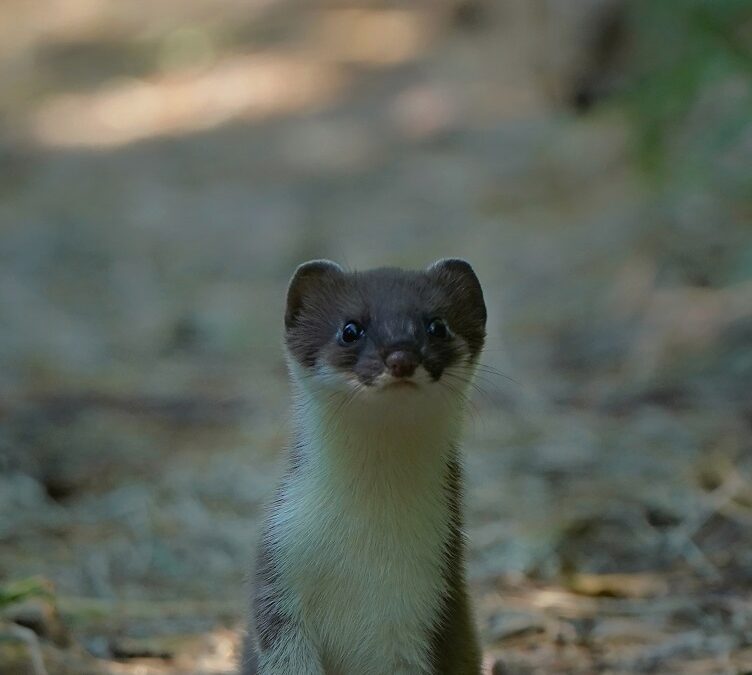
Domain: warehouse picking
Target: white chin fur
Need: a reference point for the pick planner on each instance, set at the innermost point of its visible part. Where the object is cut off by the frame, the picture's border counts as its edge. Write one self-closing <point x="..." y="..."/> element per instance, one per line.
<point x="419" y="379"/>
<point x="338" y="403"/>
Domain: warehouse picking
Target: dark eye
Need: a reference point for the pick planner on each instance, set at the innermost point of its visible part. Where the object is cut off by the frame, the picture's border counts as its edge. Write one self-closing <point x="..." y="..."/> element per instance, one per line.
<point x="352" y="332"/>
<point x="437" y="328"/>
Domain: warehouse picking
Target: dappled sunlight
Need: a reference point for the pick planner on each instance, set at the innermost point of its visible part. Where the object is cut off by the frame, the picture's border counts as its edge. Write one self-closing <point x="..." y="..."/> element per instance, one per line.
<point x="252" y="87"/>
<point x="195" y="89"/>
<point x="377" y="37"/>
<point x="27" y="23"/>
<point x="22" y="24"/>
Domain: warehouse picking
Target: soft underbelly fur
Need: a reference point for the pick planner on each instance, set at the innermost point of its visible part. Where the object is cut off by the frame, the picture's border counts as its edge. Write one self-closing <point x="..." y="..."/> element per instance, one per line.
<point x="368" y="584"/>
<point x="374" y="584"/>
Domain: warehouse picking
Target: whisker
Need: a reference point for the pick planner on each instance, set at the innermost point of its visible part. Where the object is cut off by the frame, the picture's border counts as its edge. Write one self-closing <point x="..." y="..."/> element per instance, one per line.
<point x="488" y="370"/>
<point x="469" y="382"/>
<point x="473" y="376"/>
<point x="495" y="371"/>
<point x="466" y="400"/>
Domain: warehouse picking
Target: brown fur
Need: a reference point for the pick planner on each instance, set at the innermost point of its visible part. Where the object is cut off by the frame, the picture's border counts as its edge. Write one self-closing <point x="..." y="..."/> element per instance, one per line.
<point x="454" y="644"/>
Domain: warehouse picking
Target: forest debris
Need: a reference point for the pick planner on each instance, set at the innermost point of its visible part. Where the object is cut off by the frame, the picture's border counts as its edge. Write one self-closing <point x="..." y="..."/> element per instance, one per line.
<point x="503" y="666"/>
<point x="29" y="639"/>
<point x="512" y="624"/>
<point x="194" y="410"/>
<point x="214" y="652"/>
<point x="22" y="589"/>
<point x="689" y="644"/>
<point x="142" y="648"/>
<point x="30" y="603"/>
<point x="688" y="318"/>
<point x="615" y="631"/>
<point x="41" y="617"/>
<point x="618" y="585"/>
<point x="82" y="610"/>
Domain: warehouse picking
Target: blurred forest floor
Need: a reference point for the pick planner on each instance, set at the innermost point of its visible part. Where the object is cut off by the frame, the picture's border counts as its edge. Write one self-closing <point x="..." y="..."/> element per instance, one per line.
<point x="164" y="165"/>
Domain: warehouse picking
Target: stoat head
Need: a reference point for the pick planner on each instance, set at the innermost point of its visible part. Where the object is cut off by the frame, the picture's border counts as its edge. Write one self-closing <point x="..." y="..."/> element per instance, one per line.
<point x="385" y="332"/>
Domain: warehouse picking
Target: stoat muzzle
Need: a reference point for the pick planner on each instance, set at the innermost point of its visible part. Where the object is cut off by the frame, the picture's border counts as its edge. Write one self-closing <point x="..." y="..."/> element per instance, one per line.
<point x="360" y="568"/>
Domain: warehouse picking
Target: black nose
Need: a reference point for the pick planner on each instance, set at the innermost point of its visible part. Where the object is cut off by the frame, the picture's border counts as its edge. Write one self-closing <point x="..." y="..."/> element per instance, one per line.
<point x="401" y="363"/>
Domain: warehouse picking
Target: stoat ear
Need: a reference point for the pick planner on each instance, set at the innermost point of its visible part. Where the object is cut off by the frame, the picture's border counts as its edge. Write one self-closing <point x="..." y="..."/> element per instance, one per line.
<point x="460" y="281"/>
<point x="307" y="277"/>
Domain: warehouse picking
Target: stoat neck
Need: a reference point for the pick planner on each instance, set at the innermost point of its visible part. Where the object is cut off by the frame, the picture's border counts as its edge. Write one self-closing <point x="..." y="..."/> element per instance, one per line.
<point x="388" y="440"/>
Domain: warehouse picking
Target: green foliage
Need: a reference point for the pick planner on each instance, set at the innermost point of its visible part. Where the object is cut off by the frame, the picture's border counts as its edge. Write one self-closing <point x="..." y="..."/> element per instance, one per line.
<point x="23" y="589"/>
<point x="684" y="51"/>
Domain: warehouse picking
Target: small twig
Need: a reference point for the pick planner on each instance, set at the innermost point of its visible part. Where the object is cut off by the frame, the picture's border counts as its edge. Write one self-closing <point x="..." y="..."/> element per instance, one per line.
<point x="682" y="537"/>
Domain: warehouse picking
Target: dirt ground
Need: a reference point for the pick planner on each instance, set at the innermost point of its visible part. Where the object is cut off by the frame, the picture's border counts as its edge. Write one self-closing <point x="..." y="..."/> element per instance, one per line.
<point x="164" y="166"/>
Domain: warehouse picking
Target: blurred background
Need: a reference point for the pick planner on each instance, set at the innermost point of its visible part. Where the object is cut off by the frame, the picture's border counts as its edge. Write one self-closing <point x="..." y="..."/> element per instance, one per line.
<point x="164" y="166"/>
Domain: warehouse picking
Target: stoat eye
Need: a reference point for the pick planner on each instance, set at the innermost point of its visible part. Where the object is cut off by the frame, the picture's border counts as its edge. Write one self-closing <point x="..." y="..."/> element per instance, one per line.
<point x="352" y="332"/>
<point x="437" y="328"/>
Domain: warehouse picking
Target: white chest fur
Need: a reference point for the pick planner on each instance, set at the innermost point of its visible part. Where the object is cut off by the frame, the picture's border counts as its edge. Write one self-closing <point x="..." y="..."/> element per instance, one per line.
<point x="361" y="537"/>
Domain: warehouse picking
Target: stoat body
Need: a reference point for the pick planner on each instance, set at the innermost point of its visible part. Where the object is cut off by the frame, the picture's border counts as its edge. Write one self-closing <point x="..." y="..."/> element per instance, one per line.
<point x="360" y="568"/>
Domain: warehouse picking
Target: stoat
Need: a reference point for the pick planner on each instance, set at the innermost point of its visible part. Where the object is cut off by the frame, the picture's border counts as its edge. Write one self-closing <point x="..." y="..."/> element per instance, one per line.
<point x="360" y="567"/>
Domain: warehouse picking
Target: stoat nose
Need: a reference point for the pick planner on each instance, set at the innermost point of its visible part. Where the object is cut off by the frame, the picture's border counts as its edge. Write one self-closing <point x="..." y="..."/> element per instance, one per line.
<point x="401" y="363"/>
